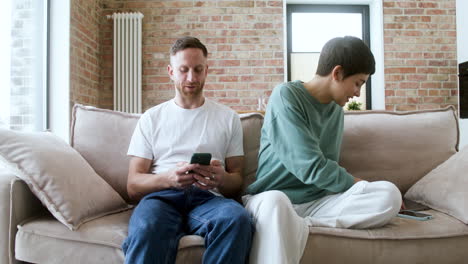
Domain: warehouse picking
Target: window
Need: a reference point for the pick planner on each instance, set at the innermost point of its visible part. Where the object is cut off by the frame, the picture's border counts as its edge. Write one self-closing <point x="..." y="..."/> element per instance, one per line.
<point x="309" y="27"/>
<point x="23" y="68"/>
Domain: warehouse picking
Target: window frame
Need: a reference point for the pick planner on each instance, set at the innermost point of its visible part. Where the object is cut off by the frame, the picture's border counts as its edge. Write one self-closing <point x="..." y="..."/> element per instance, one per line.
<point x="46" y="77"/>
<point x="323" y="8"/>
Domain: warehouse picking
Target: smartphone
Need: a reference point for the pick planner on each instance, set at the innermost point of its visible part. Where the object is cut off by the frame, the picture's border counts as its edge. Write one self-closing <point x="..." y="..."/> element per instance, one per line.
<point x="410" y="214"/>
<point x="201" y="158"/>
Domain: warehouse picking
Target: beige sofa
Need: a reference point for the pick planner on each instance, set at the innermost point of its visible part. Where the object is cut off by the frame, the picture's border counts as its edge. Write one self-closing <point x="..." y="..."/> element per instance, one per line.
<point x="398" y="147"/>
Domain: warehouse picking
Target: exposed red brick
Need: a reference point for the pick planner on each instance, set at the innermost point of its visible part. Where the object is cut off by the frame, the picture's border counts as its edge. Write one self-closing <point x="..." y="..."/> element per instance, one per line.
<point x="228" y="79"/>
<point x="400" y="93"/>
<point x="434" y="92"/>
<point x="229" y="101"/>
<point x="422" y="92"/>
<point x="400" y="70"/>
<point x="395" y="100"/>
<point x="427" y="4"/>
<point x="431" y="85"/>
<point x="84" y="52"/>
<point x="228" y="63"/>
<point x="413" y="11"/>
<point x="414" y="100"/>
<point x="433" y="100"/>
<point x="406" y="107"/>
<point x="420" y="47"/>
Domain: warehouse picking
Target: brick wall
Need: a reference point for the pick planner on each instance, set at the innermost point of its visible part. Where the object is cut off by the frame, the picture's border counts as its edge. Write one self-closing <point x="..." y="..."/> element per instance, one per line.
<point x="84" y="52"/>
<point x="420" y="54"/>
<point x="244" y="40"/>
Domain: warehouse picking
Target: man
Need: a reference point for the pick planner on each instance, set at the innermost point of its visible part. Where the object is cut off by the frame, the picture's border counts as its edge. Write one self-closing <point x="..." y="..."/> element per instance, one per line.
<point x="299" y="181"/>
<point x="177" y="198"/>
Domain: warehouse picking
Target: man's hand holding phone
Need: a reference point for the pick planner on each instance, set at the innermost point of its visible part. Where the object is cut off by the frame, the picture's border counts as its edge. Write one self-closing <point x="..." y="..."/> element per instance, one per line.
<point x="210" y="177"/>
<point x="179" y="177"/>
<point x="208" y="174"/>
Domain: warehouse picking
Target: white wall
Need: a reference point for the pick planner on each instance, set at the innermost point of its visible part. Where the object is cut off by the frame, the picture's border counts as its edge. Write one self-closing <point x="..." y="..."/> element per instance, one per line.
<point x="462" y="56"/>
<point x="59" y="68"/>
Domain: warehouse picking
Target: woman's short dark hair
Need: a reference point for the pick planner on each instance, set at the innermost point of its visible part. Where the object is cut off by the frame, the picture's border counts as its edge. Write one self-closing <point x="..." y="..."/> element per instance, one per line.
<point x="350" y="52"/>
<point x="188" y="42"/>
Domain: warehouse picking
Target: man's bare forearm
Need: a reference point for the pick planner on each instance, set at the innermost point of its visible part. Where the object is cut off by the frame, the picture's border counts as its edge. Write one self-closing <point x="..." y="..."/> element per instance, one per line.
<point x="141" y="184"/>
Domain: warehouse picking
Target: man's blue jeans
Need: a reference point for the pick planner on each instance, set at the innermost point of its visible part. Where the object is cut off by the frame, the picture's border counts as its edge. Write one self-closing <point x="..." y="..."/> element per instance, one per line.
<point x="162" y="218"/>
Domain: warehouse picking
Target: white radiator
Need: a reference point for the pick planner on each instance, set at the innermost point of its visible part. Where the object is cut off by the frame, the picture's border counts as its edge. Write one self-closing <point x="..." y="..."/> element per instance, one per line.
<point x="127" y="61"/>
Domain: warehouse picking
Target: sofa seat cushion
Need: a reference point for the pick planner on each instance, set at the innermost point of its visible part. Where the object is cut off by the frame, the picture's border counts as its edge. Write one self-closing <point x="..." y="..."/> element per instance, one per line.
<point x="439" y="240"/>
<point x="45" y="240"/>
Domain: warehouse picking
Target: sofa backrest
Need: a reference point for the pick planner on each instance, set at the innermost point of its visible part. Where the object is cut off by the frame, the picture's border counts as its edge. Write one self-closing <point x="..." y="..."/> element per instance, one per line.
<point x="400" y="147"/>
<point x="102" y="137"/>
<point x="377" y="145"/>
<point x="252" y="125"/>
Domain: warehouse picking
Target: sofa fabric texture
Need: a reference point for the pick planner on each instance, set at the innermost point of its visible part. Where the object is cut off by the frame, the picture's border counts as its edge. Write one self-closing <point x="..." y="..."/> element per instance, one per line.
<point x="6" y="244"/>
<point x="440" y="240"/>
<point x="24" y="206"/>
<point x="97" y="242"/>
<point x="370" y="138"/>
<point x="445" y="187"/>
<point x="400" y="147"/>
<point x="251" y="125"/>
<point x="102" y="137"/>
<point x="57" y="174"/>
<point x="107" y="233"/>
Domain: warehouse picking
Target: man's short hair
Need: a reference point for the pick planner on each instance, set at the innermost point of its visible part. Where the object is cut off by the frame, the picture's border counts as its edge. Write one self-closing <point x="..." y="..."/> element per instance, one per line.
<point x="188" y="42"/>
<point x="350" y="52"/>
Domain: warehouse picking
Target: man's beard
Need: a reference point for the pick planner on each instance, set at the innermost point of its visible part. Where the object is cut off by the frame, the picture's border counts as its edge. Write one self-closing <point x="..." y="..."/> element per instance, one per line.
<point x="190" y="92"/>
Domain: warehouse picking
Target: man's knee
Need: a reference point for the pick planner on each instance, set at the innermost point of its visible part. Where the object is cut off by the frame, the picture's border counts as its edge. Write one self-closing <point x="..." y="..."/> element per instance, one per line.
<point x="144" y="229"/>
<point x="150" y="221"/>
<point x="236" y="217"/>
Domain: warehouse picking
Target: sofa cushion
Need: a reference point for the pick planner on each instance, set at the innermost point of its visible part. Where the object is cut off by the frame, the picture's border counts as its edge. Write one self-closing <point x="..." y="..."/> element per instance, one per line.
<point x="400" y="147"/>
<point x="445" y="187"/>
<point x="405" y="241"/>
<point x="57" y="174"/>
<point x="401" y="241"/>
<point x="102" y="137"/>
<point x="44" y="240"/>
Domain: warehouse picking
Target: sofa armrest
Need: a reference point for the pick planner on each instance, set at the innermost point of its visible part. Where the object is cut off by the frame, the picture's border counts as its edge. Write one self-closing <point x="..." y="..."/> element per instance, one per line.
<point x="5" y="245"/>
<point x="17" y="203"/>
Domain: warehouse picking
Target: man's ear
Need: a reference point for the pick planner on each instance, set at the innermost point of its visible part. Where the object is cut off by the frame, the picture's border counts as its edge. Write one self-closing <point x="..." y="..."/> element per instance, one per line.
<point x="337" y="73"/>
<point x="170" y="71"/>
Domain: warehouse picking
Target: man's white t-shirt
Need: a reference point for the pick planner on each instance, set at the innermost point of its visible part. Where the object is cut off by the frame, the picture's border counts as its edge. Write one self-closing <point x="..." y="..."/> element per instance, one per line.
<point x="168" y="134"/>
